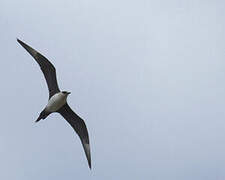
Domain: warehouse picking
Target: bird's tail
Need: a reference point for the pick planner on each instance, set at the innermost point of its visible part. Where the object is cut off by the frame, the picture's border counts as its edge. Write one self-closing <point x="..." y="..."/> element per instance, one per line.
<point x="38" y="119"/>
<point x="42" y="115"/>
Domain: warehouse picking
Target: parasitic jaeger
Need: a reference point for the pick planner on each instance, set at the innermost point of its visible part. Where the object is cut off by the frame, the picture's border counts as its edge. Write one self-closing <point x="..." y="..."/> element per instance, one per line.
<point x="58" y="100"/>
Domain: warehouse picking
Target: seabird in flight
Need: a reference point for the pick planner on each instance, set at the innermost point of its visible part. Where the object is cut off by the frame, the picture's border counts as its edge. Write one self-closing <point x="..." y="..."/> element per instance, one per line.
<point x="57" y="100"/>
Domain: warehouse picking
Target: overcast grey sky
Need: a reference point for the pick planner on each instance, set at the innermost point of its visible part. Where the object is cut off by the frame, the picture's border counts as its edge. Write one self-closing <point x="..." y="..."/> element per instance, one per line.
<point x="147" y="76"/>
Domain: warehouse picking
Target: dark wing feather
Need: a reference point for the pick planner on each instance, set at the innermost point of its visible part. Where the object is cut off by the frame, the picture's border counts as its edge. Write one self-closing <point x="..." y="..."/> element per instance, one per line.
<point x="47" y="68"/>
<point x="79" y="126"/>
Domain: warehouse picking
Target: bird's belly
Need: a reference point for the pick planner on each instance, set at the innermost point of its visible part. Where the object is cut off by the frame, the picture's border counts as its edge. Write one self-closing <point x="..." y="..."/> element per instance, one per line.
<point x="55" y="103"/>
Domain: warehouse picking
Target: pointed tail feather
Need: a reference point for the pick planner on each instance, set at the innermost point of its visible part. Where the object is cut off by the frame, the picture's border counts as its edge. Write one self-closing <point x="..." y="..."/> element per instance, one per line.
<point x="42" y="115"/>
<point x="38" y="119"/>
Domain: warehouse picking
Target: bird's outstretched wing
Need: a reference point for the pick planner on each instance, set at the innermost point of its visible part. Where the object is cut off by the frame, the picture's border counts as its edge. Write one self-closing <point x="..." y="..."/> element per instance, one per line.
<point x="79" y="126"/>
<point x="47" y="68"/>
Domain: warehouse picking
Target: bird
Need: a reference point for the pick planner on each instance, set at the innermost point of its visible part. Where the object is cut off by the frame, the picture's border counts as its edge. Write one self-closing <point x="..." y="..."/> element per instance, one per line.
<point x="57" y="101"/>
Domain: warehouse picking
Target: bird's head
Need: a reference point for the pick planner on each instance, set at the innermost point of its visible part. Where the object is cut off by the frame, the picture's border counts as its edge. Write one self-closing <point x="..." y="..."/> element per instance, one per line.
<point x="66" y="93"/>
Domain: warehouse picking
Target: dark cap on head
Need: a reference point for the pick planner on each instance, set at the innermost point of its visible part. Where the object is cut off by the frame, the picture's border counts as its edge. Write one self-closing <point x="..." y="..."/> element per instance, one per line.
<point x="66" y="92"/>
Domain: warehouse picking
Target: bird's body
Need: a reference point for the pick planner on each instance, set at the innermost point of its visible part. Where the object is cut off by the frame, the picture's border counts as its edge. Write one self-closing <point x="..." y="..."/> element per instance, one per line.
<point x="58" y="100"/>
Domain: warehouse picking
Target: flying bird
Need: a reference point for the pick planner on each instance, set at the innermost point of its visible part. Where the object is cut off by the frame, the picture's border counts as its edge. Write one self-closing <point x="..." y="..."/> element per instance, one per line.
<point x="58" y="100"/>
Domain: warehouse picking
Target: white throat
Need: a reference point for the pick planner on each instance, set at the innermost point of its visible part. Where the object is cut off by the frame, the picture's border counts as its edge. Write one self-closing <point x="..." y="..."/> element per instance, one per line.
<point x="56" y="102"/>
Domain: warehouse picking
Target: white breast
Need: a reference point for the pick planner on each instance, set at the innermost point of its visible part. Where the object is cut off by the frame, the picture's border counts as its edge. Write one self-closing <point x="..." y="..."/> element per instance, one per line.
<point x="56" y="102"/>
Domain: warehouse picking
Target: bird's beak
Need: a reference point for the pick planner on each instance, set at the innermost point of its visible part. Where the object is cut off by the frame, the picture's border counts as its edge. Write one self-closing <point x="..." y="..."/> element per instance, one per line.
<point x="68" y="92"/>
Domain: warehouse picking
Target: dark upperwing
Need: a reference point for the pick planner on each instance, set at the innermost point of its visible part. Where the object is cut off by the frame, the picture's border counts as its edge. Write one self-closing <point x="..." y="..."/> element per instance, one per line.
<point x="79" y="126"/>
<point x="47" y="68"/>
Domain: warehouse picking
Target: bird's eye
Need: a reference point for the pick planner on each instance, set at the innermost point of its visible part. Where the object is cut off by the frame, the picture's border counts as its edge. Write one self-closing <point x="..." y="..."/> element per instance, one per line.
<point x="64" y="92"/>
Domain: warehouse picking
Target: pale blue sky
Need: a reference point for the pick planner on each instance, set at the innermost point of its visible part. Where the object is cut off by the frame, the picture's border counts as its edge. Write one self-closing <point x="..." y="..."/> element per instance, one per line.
<point x="147" y="76"/>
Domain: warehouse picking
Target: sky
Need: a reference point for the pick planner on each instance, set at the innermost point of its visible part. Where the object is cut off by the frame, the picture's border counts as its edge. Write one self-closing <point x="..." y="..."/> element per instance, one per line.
<point x="147" y="76"/>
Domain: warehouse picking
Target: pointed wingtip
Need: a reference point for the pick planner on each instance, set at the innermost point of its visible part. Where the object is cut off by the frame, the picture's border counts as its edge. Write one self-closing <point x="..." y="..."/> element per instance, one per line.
<point x="89" y="164"/>
<point x="29" y="49"/>
<point x="87" y="153"/>
<point x="21" y="42"/>
<point x="18" y="40"/>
